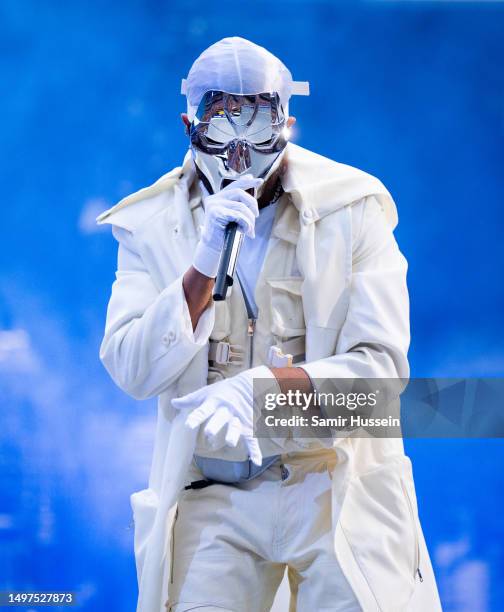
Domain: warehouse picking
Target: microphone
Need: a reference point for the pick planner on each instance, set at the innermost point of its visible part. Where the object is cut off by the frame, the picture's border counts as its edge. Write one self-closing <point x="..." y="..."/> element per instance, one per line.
<point x="227" y="265"/>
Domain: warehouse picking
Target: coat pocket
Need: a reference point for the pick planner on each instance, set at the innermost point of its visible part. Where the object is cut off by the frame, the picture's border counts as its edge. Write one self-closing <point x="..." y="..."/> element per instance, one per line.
<point x="286" y="304"/>
<point x="416" y="528"/>
<point x="377" y="521"/>
<point x="144" y="505"/>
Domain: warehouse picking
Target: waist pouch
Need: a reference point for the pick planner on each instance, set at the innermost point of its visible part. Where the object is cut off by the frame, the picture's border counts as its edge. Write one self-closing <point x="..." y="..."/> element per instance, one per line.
<point x="230" y="472"/>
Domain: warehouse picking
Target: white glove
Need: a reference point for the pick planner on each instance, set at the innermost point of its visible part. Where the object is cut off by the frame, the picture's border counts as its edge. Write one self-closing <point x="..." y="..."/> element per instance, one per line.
<point x="232" y="203"/>
<point x="227" y="404"/>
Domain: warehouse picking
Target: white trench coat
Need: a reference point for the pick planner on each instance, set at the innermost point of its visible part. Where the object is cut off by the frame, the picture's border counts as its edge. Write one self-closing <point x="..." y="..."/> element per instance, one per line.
<point x="356" y="311"/>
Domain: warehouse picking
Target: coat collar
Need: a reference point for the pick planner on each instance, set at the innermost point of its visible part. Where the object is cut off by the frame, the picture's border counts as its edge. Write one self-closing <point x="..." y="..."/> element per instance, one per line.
<point x="319" y="186"/>
<point x="316" y="185"/>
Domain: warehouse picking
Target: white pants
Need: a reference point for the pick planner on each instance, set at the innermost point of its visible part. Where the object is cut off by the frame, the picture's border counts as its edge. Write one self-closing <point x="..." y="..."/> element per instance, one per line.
<point x="231" y="544"/>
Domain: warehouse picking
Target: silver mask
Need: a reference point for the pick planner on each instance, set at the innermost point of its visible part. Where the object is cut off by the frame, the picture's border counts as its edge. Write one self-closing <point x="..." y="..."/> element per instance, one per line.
<point x="233" y="134"/>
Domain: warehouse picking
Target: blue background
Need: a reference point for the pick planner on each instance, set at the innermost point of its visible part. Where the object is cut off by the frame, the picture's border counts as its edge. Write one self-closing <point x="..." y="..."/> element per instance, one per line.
<point x="412" y="92"/>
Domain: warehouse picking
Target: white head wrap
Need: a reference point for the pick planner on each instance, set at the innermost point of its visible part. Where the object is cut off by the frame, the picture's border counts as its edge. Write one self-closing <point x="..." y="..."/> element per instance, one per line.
<point x="236" y="65"/>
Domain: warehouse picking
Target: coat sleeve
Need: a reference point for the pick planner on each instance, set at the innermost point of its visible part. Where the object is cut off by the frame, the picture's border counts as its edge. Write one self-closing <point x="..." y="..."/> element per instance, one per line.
<point x="148" y="341"/>
<point x="374" y="339"/>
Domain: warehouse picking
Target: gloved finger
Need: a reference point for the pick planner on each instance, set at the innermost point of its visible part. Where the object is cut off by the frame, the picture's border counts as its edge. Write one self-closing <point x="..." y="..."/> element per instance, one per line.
<point x="254" y="450"/>
<point x="234" y="432"/>
<point x="245" y="220"/>
<point x="197" y="416"/>
<point x="239" y="195"/>
<point x="217" y="421"/>
<point x="190" y="400"/>
<point x="227" y="211"/>
<point x="247" y="181"/>
<point x="217" y="439"/>
<point x="182" y="403"/>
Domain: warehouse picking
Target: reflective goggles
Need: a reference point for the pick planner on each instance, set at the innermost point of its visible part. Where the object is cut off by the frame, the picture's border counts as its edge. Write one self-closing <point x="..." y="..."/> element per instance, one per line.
<point x="222" y="118"/>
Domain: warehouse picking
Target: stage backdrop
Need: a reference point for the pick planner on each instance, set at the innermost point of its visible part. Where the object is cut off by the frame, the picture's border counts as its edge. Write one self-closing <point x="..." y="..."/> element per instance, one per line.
<point x="412" y="92"/>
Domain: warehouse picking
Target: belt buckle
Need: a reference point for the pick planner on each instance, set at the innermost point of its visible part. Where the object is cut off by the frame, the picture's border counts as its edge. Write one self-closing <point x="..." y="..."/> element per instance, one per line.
<point x="226" y="353"/>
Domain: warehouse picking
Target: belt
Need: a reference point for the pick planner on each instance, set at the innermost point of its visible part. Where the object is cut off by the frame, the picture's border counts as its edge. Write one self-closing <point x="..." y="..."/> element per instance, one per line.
<point x="225" y="353"/>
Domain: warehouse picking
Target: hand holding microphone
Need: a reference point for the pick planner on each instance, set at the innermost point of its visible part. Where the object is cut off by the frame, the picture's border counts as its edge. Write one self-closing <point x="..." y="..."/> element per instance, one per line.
<point x="230" y="205"/>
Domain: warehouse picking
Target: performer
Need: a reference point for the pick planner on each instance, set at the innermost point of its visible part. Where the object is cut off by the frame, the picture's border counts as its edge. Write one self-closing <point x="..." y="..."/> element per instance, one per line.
<point x="319" y="293"/>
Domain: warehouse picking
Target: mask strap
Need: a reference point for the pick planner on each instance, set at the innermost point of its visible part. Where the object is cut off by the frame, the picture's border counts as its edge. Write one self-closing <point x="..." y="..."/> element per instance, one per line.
<point x="300" y="88"/>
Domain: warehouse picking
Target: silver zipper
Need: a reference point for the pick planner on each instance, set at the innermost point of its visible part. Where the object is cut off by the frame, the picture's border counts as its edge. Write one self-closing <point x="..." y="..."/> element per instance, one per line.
<point x="417" y="571"/>
<point x="251" y="321"/>
<point x="250" y="333"/>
